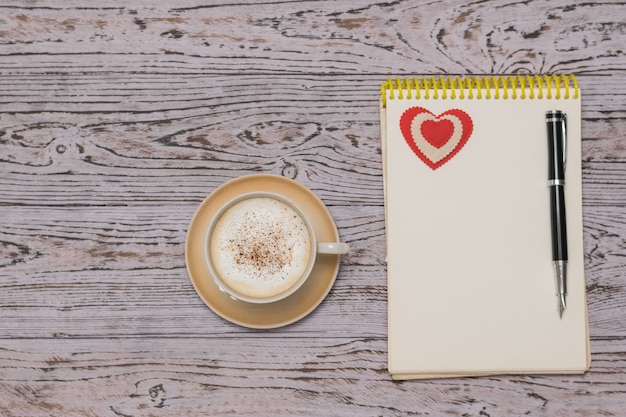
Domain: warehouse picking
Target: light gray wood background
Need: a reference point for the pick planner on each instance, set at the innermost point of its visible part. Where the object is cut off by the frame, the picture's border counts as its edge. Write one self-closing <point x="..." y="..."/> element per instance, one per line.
<point x="118" y="118"/>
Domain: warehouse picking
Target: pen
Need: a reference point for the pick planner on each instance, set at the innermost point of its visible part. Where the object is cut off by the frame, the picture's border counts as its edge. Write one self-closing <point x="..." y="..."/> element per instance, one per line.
<point x="557" y="145"/>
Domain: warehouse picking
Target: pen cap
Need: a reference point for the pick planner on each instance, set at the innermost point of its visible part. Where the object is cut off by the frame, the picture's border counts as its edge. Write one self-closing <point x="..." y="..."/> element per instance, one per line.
<point x="556" y="122"/>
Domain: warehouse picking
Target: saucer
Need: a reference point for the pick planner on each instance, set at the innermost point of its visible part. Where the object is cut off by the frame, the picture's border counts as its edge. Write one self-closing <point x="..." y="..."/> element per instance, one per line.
<point x="287" y="310"/>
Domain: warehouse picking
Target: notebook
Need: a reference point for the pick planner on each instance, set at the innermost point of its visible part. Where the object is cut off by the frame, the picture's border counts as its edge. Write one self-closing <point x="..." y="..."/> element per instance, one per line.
<point x="471" y="280"/>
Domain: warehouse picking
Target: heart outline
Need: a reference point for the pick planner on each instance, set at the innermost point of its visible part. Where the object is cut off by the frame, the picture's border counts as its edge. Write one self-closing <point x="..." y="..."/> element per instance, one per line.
<point x="435" y="156"/>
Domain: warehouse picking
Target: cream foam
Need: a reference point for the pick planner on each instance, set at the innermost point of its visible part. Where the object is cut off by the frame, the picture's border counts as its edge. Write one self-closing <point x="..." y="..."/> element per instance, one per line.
<point x="260" y="247"/>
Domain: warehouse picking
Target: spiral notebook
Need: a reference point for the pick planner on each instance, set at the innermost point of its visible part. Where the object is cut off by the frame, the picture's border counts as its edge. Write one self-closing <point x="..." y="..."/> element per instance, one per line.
<point x="471" y="283"/>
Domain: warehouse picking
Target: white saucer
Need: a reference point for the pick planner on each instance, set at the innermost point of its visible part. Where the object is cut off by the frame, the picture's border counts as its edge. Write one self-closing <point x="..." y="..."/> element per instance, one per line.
<point x="279" y="313"/>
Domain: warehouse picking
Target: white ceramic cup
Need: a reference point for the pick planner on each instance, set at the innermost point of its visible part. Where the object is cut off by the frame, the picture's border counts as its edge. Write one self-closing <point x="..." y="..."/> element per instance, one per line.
<point x="260" y="247"/>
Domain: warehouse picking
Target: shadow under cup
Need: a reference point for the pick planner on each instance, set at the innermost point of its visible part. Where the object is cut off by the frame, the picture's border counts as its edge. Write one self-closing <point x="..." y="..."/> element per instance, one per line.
<point x="260" y="247"/>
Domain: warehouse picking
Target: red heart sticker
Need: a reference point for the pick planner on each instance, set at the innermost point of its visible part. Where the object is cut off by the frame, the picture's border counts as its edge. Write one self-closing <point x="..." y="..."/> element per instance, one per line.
<point x="435" y="139"/>
<point x="437" y="132"/>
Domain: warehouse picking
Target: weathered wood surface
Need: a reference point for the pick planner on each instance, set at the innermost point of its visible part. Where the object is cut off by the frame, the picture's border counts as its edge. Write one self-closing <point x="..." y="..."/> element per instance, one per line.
<point x="117" y="119"/>
<point x="258" y="376"/>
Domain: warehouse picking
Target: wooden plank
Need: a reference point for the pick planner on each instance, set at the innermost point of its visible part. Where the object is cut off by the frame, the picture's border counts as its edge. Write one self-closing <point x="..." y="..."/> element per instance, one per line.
<point x="347" y="36"/>
<point x="257" y="376"/>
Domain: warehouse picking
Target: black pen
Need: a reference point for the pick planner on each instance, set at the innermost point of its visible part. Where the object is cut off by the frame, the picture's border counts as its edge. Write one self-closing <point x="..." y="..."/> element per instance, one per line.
<point x="557" y="145"/>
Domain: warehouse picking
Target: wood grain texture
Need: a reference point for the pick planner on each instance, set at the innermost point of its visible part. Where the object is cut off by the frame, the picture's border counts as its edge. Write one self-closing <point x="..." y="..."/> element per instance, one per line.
<point x="299" y="376"/>
<point x="118" y="119"/>
<point x="356" y="36"/>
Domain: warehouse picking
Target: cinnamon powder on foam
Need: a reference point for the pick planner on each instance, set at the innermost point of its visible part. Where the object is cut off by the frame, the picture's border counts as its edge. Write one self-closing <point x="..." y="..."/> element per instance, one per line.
<point x="261" y="245"/>
<point x="264" y="246"/>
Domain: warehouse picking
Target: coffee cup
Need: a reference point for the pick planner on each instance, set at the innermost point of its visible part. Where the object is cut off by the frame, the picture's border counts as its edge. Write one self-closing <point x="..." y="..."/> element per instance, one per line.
<point x="260" y="247"/>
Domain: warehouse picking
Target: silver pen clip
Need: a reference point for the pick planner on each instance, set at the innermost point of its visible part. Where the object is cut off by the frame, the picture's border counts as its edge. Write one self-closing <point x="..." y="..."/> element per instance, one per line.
<point x="564" y="124"/>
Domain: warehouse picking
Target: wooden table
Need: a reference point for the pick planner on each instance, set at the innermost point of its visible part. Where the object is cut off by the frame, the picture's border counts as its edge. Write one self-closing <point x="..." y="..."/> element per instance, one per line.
<point x="118" y="118"/>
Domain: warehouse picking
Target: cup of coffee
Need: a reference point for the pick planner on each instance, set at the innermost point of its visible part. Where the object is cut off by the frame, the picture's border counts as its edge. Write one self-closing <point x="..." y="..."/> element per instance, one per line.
<point x="260" y="247"/>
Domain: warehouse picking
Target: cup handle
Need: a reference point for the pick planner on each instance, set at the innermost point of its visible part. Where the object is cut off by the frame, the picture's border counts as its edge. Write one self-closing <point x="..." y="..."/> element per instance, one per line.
<point x="337" y="248"/>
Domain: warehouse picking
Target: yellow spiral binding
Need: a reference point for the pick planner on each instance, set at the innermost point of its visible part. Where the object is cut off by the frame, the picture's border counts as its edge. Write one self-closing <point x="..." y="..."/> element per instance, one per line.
<point x="485" y="87"/>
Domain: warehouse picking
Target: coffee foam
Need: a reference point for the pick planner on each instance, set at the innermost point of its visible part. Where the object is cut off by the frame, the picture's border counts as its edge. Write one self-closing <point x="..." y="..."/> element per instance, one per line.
<point x="260" y="247"/>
